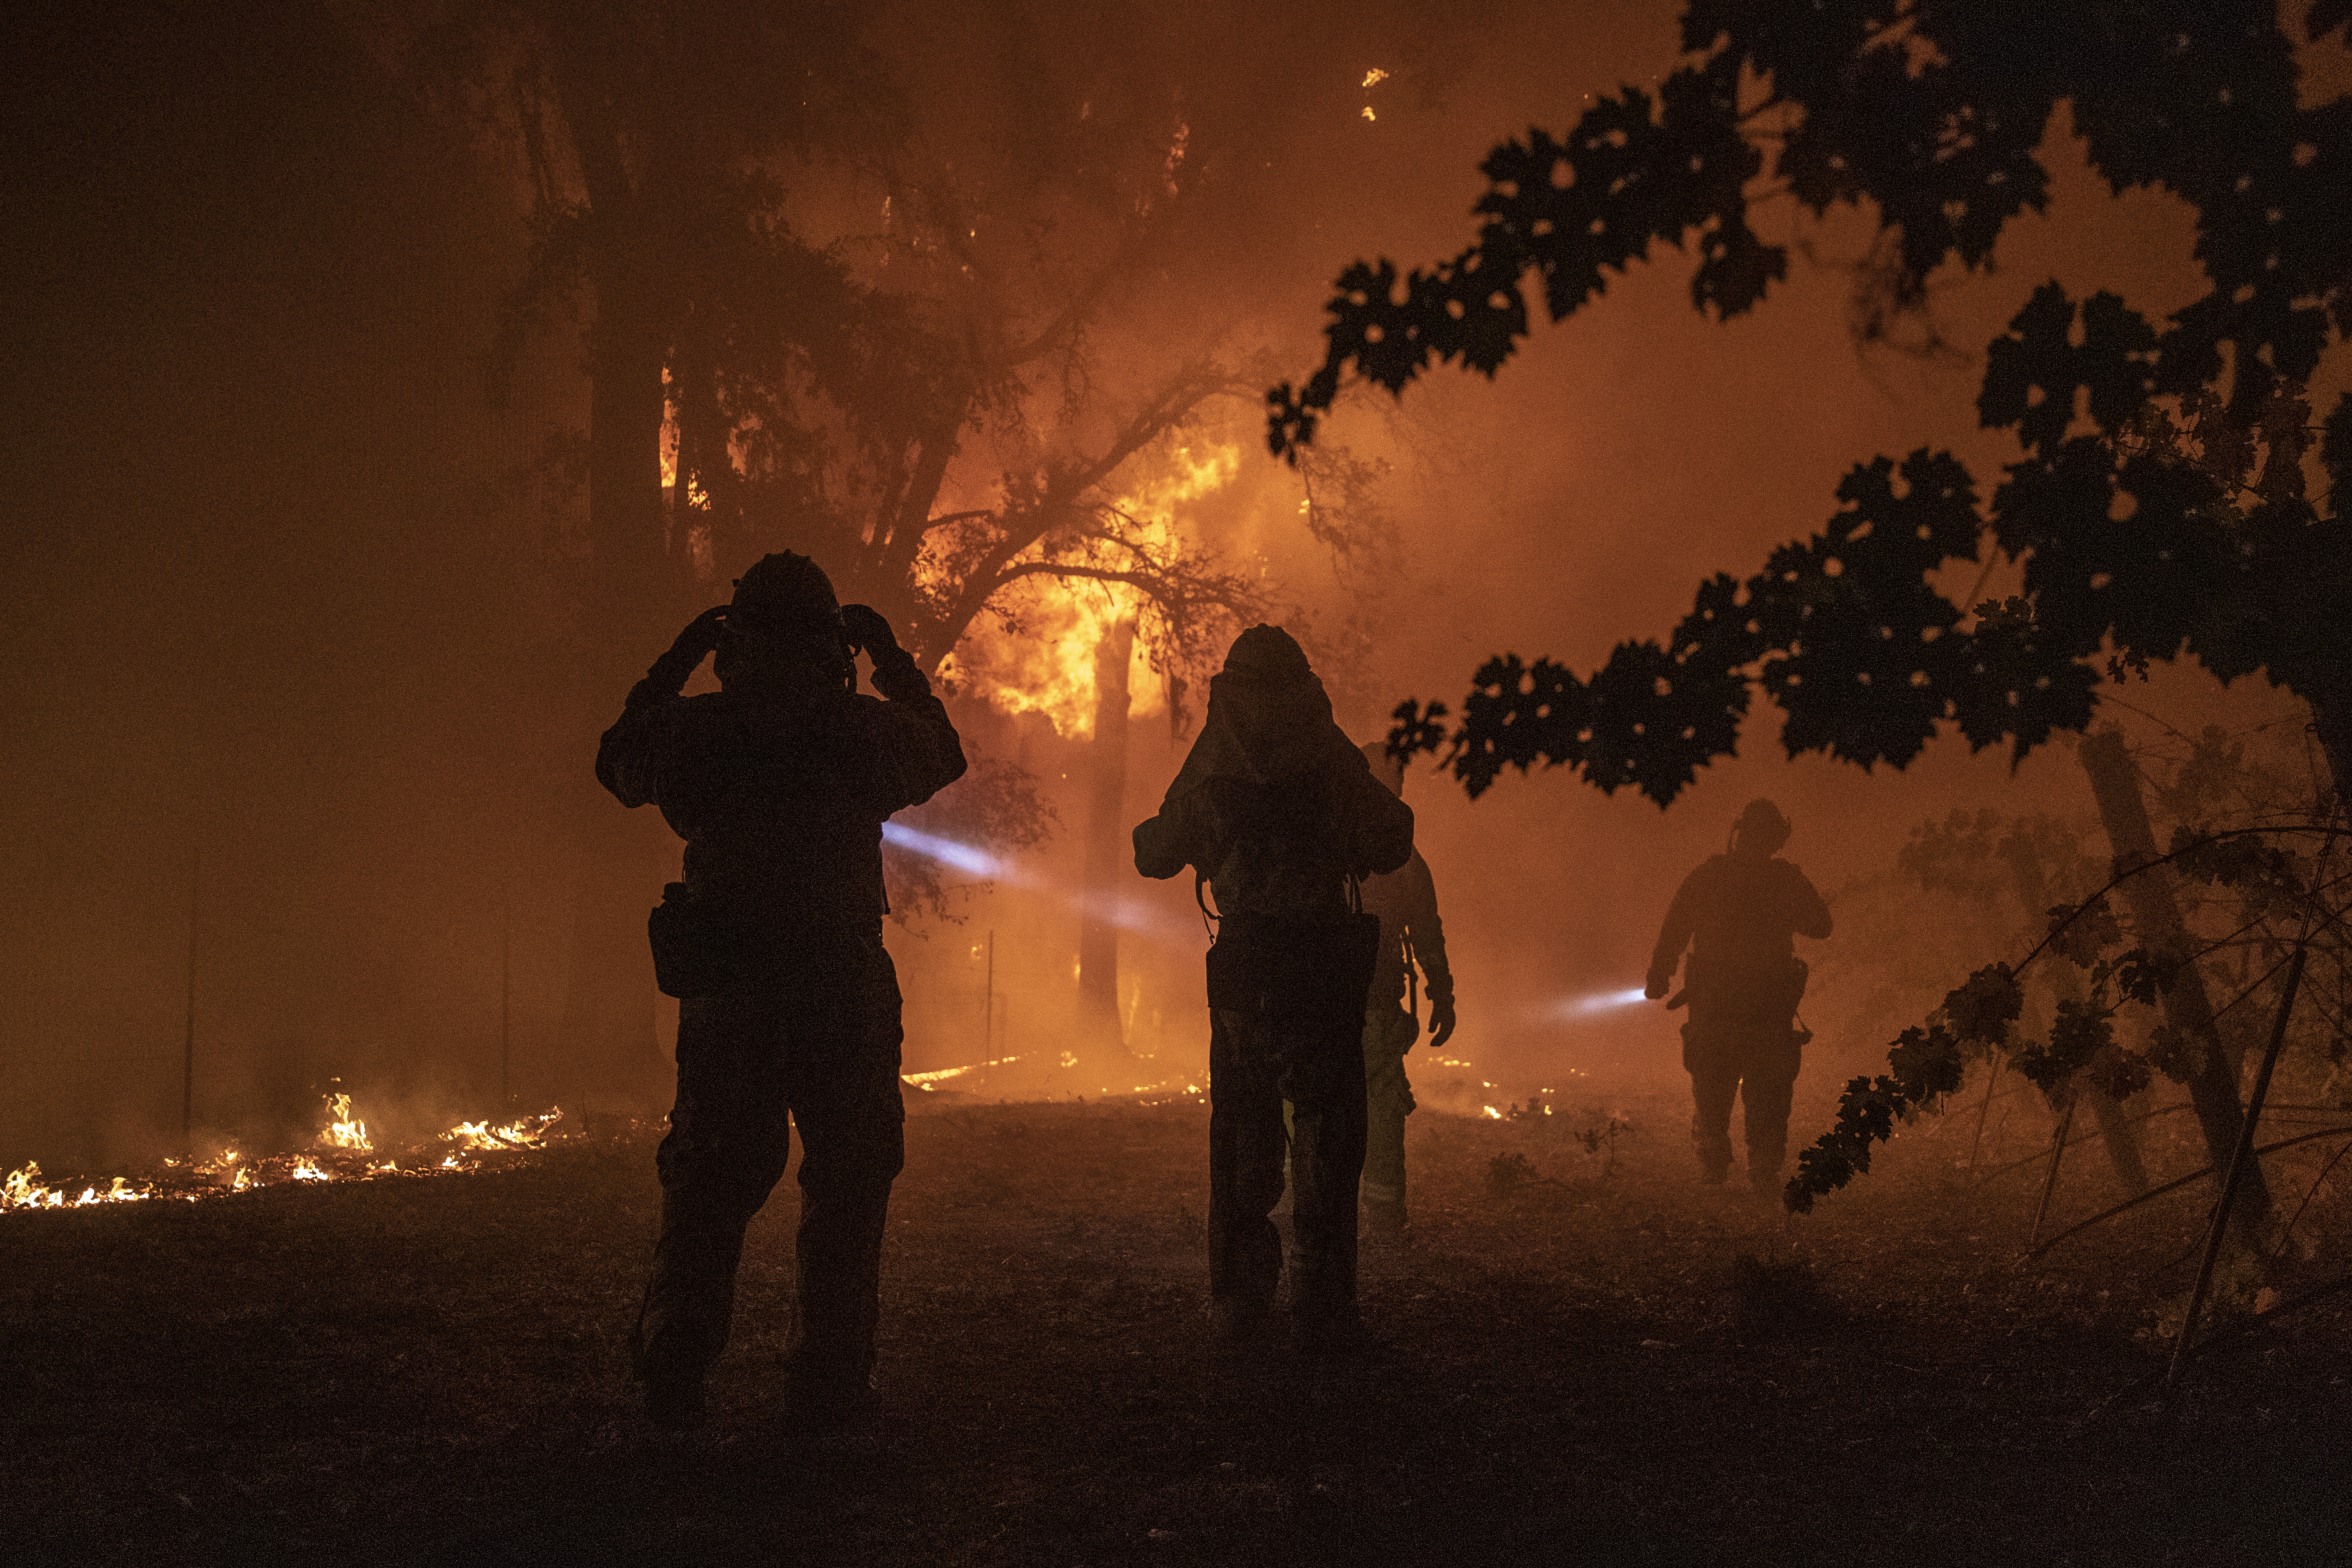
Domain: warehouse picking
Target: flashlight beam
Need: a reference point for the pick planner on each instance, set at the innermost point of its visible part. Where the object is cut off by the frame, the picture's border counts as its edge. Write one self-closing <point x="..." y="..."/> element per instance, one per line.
<point x="1597" y="1002"/>
<point x="945" y="851"/>
<point x="1139" y="915"/>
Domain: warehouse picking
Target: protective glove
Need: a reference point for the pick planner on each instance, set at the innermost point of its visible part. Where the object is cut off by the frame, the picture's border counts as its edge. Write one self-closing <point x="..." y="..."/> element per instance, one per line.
<point x="863" y="626"/>
<point x="673" y="669"/>
<point x="1441" y="1021"/>
<point x="896" y="674"/>
<point x="1658" y="985"/>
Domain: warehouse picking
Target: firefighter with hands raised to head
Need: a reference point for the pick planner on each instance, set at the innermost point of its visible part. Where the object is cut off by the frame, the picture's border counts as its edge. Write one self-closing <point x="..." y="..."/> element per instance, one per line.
<point x="1277" y="811"/>
<point x="788" y="1003"/>
<point x="1738" y="913"/>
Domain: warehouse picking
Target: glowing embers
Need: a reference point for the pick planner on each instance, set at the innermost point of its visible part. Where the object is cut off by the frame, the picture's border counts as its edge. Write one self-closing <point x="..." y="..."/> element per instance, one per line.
<point x="1536" y="1107"/>
<point x="1167" y="1091"/>
<point x="336" y="1157"/>
<point x="929" y="1081"/>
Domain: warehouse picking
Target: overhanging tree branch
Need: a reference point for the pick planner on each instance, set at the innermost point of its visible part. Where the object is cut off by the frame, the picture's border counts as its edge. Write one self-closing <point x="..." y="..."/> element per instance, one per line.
<point x="1930" y="117"/>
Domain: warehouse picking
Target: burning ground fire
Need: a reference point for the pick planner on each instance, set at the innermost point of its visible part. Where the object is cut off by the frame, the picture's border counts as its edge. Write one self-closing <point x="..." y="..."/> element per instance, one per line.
<point x="342" y="1153"/>
<point x="1175" y="1088"/>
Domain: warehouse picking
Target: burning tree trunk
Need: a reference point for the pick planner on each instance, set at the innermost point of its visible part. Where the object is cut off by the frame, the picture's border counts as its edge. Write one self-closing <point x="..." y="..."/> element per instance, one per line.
<point x="2212" y="1077"/>
<point x="1101" y="1041"/>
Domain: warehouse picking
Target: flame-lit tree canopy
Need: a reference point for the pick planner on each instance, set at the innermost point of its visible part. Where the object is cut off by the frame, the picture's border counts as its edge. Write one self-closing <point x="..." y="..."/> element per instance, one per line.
<point x="885" y="286"/>
<point x="2160" y="506"/>
<point x="890" y="285"/>
<point x="900" y="324"/>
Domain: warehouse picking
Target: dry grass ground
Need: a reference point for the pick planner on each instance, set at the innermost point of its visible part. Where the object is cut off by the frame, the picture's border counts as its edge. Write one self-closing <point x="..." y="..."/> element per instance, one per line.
<point x="1571" y="1370"/>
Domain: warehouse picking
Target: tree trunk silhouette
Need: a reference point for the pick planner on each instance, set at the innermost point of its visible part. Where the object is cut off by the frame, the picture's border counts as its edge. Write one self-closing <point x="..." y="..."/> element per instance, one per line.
<point x="629" y="603"/>
<point x="2331" y="725"/>
<point x="2212" y="1079"/>
<point x="2030" y="882"/>
<point x="1109" y="864"/>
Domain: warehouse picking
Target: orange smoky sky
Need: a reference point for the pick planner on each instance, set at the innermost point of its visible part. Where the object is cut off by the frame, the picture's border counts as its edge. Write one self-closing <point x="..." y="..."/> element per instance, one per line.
<point x="270" y="583"/>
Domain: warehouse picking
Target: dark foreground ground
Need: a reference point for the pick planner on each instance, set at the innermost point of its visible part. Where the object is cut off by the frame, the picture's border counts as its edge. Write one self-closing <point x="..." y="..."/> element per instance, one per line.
<point x="1582" y="1369"/>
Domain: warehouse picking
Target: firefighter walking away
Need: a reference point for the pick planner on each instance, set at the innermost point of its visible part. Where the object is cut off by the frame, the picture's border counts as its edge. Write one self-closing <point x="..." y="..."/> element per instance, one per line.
<point x="1738" y="913"/>
<point x="1278" y="814"/>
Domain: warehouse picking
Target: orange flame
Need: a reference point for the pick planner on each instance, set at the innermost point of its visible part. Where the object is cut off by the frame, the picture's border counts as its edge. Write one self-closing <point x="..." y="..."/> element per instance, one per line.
<point x="1049" y="668"/>
<point x="23" y="1189"/>
<point x="528" y="1132"/>
<point x="345" y="1131"/>
<point x="345" y="1135"/>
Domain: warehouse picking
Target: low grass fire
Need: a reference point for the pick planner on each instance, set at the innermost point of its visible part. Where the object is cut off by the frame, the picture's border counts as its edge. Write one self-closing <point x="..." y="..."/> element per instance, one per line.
<point x="341" y="1152"/>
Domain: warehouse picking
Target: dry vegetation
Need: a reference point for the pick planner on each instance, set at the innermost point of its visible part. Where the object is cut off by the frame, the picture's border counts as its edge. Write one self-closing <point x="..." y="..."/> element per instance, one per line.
<point x="1576" y="1367"/>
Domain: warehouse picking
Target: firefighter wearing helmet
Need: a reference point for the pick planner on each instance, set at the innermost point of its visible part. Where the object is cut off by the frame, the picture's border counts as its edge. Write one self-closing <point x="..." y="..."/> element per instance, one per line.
<point x="1738" y="913"/>
<point x="788" y="1004"/>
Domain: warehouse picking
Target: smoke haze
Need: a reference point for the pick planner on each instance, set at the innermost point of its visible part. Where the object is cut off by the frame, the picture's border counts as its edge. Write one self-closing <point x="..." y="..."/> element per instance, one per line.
<point x="287" y="600"/>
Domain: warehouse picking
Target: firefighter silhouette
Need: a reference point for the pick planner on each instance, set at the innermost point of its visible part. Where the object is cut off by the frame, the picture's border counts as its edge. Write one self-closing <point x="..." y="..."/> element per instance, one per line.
<point x="788" y="1010"/>
<point x="1413" y="938"/>
<point x="1278" y="814"/>
<point x="1738" y="913"/>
